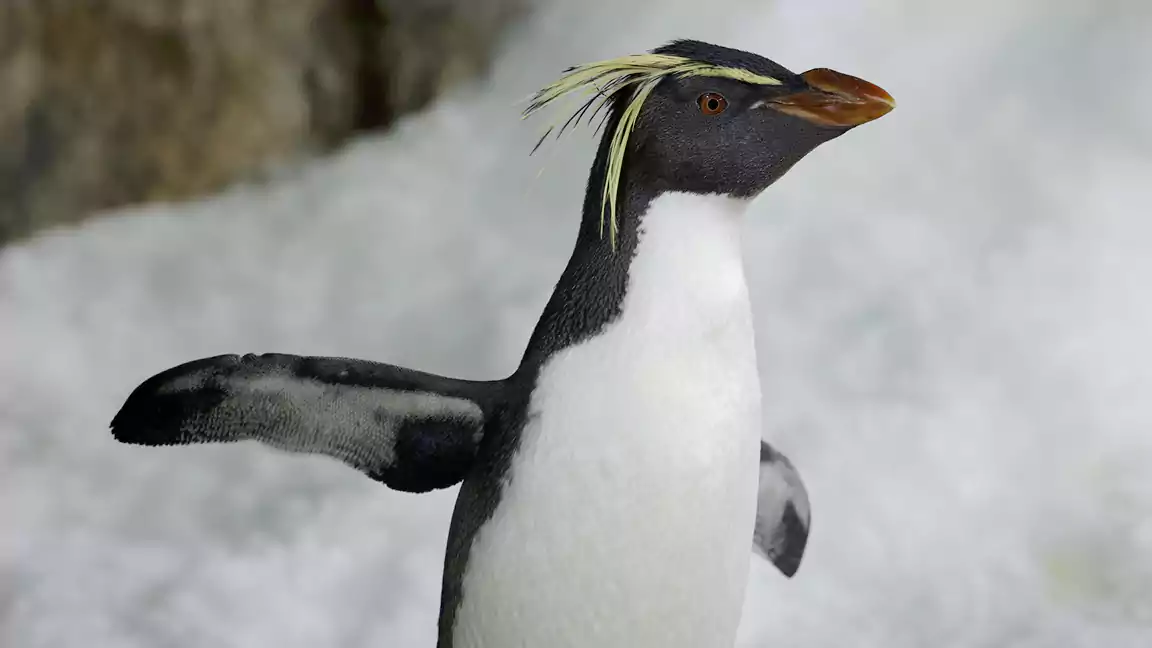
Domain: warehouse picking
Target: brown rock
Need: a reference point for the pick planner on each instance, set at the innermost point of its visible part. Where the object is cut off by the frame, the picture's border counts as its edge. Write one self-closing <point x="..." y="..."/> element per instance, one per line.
<point x="110" y="102"/>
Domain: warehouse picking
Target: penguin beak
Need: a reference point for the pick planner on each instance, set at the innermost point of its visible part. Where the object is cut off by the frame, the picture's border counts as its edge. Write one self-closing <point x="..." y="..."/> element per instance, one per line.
<point x="835" y="99"/>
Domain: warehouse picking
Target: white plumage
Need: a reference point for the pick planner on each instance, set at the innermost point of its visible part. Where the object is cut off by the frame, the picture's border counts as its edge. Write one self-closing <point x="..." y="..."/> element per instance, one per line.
<point x="627" y="515"/>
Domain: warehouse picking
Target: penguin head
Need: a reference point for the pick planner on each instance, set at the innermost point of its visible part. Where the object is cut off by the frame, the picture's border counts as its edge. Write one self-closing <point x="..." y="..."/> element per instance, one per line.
<point x="701" y="118"/>
<point x="723" y="135"/>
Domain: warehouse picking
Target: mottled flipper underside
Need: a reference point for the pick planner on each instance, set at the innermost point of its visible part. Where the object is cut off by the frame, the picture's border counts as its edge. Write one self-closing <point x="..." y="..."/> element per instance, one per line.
<point x="410" y="430"/>
<point x="782" y="513"/>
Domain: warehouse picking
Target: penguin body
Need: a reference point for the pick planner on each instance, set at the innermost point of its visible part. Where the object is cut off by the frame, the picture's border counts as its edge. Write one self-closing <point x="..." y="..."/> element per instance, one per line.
<point x="650" y="425"/>
<point x="612" y="486"/>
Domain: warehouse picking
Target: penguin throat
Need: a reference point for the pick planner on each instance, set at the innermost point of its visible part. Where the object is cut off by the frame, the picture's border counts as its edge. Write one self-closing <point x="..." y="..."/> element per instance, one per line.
<point x="692" y="239"/>
<point x="687" y="266"/>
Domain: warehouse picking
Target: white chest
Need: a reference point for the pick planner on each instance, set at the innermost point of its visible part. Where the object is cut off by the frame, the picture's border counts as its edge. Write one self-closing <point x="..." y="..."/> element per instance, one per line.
<point x="627" y="518"/>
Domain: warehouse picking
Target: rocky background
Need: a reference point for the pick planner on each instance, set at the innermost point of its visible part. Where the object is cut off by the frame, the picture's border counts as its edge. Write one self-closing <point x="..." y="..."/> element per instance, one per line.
<point x="111" y="102"/>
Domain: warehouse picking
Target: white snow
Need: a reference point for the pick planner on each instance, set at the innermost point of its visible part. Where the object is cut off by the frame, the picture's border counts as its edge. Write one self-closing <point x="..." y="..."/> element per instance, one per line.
<point x="954" y="323"/>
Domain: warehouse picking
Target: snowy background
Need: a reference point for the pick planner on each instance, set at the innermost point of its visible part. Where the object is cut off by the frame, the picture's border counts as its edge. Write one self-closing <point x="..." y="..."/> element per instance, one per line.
<point x="955" y="332"/>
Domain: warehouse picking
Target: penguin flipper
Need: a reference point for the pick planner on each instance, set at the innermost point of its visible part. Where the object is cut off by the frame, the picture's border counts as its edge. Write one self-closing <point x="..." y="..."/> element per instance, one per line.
<point x="782" y="512"/>
<point x="410" y="430"/>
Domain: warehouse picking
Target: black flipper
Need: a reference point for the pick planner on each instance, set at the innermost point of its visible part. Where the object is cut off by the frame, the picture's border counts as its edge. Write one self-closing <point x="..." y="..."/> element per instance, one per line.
<point x="412" y="431"/>
<point x="782" y="514"/>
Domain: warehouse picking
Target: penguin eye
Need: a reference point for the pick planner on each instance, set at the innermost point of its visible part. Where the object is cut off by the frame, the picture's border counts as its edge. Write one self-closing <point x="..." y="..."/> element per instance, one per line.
<point x="712" y="103"/>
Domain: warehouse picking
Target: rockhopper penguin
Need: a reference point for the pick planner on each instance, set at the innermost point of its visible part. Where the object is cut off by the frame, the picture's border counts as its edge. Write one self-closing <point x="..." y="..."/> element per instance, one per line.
<point x="610" y="484"/>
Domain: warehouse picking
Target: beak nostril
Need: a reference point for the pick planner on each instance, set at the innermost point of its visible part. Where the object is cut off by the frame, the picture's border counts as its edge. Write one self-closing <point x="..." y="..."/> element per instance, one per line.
<point x="846" y="86"/>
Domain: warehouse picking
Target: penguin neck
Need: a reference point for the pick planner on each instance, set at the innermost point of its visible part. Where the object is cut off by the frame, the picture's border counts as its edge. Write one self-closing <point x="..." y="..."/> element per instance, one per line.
<point x="686" y="239"/>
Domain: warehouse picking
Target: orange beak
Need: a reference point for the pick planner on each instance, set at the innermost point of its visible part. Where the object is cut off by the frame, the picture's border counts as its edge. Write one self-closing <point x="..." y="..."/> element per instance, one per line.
<point x="835" y="99"/>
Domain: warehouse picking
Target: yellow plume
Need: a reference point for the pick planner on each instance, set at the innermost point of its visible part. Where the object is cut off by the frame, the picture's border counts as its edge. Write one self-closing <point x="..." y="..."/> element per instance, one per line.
<point x="637" y="74"/>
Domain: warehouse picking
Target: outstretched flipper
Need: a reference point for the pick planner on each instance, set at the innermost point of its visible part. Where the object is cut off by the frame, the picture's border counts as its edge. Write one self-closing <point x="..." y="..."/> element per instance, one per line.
<point x="782" y="513"/>
<point x="412" y="431"/>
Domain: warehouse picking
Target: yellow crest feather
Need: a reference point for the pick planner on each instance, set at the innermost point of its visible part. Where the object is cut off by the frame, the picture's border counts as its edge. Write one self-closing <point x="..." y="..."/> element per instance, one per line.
<point x="637" y="74"/>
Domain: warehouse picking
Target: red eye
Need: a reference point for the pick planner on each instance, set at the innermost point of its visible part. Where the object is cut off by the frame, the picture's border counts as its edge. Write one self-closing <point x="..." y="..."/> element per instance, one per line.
<point x="712" y="103"/>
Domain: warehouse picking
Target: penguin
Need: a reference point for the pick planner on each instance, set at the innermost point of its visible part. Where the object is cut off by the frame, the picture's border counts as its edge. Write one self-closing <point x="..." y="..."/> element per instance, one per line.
<point x="611" y="486"/>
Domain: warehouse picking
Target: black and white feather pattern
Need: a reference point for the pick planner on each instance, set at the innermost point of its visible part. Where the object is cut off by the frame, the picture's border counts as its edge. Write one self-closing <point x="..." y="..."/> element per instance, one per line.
<point x="412" y="431"/>
<point x="783" y="516"/>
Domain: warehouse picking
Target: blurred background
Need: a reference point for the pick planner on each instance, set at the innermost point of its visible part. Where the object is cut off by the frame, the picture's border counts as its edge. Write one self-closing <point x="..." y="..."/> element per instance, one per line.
<point x="954" y="304"/>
